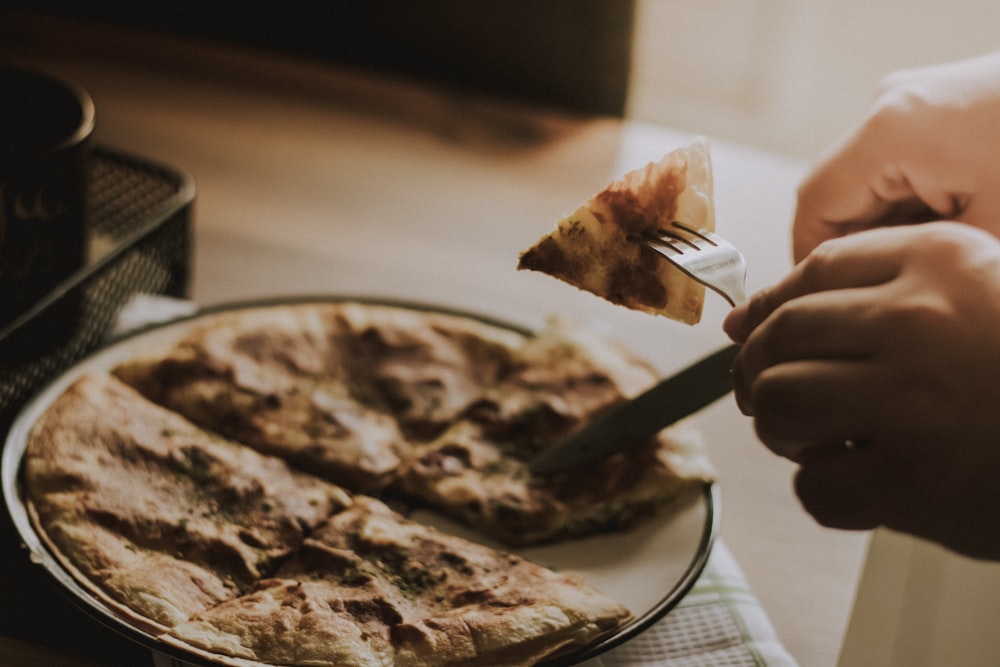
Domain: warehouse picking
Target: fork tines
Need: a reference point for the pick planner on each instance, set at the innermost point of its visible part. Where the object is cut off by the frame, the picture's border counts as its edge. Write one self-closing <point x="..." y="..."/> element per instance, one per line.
<point x="679" y="242"/>
<point x="704" y="256"/>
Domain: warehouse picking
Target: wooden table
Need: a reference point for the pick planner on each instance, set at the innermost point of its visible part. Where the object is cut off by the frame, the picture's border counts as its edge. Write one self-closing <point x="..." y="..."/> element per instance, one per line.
<point x="313" y="180"/>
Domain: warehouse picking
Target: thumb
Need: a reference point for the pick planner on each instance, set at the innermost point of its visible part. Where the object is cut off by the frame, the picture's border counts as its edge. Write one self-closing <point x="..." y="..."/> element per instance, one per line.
<point x="735" y="325"/>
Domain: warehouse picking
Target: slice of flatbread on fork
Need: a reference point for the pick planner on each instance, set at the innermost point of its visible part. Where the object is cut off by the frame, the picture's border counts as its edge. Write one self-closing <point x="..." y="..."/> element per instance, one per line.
<point x="593" y="248"/>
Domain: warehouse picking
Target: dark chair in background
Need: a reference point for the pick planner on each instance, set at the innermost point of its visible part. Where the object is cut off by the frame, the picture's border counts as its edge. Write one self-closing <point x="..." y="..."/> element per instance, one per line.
<point x="569" y="54"/>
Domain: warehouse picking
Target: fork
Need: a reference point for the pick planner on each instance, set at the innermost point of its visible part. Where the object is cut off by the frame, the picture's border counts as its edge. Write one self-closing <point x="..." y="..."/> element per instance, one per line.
<point x="704" y="256"/>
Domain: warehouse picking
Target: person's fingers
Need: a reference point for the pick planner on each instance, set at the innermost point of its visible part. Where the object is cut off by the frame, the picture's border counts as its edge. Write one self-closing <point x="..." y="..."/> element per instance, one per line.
<point x="735" y="324"/>
<point x="823" y="326"/>
<point x="878" y="177"/>
<point x="830" y="324"/>
<point x="846" y="191"/>
<point x="882" y="483"/>
<point x="862" y="260"/>
<point x="799" y="403"/>
<point x="844" y="488"/>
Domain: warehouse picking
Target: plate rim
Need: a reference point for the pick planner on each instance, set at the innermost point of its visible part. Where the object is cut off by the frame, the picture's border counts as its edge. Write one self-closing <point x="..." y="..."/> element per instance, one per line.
<point x="16" y="440"/>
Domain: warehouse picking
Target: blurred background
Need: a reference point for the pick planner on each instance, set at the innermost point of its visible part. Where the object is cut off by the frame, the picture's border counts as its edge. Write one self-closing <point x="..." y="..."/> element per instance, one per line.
<point x="789" y="75"/>
<point x="784" y="75"/>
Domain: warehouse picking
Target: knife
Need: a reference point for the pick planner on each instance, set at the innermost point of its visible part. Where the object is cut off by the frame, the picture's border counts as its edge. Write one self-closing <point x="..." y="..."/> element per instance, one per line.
<point x="635" y="421"/>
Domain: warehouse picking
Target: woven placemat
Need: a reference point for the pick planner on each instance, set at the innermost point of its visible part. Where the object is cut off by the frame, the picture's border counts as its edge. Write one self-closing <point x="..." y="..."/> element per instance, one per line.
<point x="720" y="623"/>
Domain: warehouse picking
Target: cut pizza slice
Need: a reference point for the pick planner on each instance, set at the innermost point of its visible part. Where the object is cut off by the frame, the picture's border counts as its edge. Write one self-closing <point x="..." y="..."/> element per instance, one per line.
<point x="371" y="588"/>
<point x="594" y="247"/>
<point x="274" y="379"/>
<point x="424" y="366"/>
<point x="339" y="389"/>
<point x="155" y="515"/>
<point x="477" y="471"/>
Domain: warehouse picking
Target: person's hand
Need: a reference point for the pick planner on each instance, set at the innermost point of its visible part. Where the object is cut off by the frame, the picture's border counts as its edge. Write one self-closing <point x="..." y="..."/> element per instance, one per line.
<point x="929" y="150"/>
<point x="888" y="339"/>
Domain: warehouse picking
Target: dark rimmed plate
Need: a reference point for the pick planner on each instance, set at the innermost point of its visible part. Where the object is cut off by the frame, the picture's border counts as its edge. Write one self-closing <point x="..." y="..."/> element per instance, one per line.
<point x="649" y="567"/>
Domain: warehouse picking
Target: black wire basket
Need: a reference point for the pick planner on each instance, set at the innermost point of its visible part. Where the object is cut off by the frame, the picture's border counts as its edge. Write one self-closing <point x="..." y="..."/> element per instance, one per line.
<point x="139" y="224"/>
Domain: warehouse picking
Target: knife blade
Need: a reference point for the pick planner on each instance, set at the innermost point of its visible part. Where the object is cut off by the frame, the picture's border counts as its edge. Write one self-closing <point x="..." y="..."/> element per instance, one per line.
<point x="636" y="420"/>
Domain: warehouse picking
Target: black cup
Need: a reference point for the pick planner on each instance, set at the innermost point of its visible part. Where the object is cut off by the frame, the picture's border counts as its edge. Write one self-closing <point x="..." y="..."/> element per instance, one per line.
<point x="45" y="130"/>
